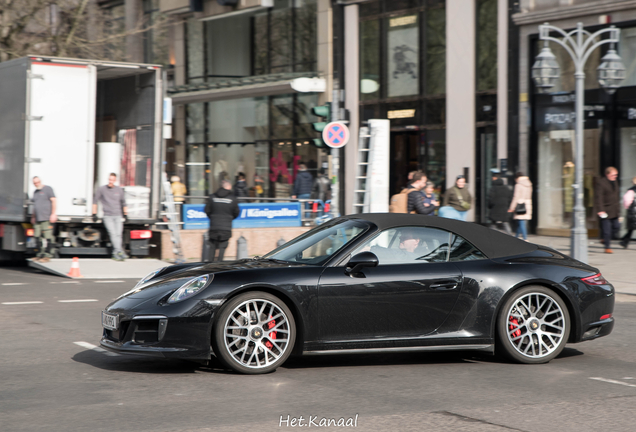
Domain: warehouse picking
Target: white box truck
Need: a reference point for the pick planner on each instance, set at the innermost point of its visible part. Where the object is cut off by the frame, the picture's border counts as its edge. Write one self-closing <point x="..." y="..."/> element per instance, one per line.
<point x="71" y="122"/>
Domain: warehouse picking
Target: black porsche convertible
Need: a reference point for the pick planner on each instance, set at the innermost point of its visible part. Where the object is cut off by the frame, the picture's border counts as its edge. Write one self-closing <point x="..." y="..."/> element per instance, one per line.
<point x="367" y="283"/>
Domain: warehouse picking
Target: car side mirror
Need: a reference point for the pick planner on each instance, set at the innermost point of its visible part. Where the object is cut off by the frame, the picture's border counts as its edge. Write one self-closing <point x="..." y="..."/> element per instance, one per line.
<point x="360" y="261"/>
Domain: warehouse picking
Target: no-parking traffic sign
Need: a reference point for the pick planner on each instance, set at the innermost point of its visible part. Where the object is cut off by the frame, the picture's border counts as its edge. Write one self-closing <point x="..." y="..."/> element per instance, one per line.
<point x="335" y="134"/>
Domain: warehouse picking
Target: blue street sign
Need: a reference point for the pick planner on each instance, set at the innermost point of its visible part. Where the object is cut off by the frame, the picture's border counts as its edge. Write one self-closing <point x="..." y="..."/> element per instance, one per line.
<point x="252" y="215"/>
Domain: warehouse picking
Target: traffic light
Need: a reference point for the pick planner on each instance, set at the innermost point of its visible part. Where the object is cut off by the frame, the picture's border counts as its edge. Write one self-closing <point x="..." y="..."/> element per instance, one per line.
<point x="323" y="111"/>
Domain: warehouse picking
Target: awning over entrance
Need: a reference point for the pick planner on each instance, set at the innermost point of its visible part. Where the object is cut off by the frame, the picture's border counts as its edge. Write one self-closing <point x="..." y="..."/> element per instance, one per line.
<point x="252" y="86"/>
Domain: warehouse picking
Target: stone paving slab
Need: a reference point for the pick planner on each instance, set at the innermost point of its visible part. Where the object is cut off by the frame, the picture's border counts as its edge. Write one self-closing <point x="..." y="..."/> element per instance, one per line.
<point x="101" y="268"/>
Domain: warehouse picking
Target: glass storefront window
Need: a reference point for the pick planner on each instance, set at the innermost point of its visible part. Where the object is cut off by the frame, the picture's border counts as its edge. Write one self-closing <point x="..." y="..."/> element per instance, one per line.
<point x="195" y="66"/>
<point x="403" y="51"/>
<point x="369" y="60"/>
<point x="556" y="175"/>
<point x="436" y="51"/>
<point x="627" y="51"/>
<point x="486" y="45"/>
<point x="566" y="82"/>
<point x="198" y="167"/>
<point x="237" y="120"/>
<point x="627" y="168"/>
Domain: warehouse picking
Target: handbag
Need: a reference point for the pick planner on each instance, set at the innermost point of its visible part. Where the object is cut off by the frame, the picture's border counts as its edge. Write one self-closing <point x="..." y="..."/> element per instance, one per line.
<point x="521" y="208"/>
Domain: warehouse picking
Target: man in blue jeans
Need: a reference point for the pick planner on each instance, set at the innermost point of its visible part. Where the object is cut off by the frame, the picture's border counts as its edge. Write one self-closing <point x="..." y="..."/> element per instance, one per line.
<point x="114" y="207"/>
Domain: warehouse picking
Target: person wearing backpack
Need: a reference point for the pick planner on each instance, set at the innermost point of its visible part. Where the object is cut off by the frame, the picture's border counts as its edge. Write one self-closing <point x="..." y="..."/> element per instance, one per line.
<point x="629" y="202"/>
<point x="410" y="199"/>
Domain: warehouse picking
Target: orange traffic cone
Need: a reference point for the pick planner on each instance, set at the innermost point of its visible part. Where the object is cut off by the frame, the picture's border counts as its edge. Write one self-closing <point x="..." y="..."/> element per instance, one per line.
<point x="75" y="271"/>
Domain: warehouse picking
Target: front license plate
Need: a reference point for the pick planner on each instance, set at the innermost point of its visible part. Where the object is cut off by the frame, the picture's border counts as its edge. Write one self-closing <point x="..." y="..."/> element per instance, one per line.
<point x="109" y="321"/>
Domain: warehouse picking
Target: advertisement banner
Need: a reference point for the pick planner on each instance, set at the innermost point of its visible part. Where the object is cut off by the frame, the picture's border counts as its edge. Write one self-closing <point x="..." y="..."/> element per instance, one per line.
<point x="251" y="215"/>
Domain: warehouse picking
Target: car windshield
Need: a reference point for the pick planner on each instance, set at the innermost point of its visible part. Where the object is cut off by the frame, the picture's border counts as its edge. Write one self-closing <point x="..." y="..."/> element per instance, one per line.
<point x="321" y="243"/>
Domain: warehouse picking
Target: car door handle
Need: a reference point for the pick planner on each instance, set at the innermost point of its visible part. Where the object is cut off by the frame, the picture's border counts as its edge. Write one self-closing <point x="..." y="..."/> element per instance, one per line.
<point x="444" y="285"/>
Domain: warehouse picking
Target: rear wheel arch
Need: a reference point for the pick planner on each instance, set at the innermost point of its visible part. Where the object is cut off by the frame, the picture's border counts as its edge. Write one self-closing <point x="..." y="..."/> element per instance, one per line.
<point x="298" y="318"/>
<point x="574" y="316"/>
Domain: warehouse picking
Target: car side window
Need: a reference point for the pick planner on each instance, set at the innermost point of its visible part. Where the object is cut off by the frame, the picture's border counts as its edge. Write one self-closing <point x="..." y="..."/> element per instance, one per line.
<point x="462" y="250"/>
<point x="408" y="245"/>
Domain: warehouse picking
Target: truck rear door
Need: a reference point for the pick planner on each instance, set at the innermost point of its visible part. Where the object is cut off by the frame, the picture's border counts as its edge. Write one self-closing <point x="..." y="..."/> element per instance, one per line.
<point x="61" y="139"/>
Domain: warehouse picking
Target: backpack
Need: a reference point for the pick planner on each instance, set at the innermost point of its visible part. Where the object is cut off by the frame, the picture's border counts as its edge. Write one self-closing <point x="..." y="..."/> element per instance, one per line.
<point x="400" y="202"/>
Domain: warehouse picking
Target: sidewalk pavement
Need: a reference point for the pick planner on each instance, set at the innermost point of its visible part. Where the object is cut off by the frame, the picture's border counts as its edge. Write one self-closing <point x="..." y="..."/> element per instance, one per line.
<point x="619" y="268"/>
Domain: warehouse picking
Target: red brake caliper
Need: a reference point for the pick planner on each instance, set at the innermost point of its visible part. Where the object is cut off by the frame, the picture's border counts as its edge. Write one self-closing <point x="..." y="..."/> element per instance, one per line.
<point x="272" y="335"/>
<point x="516" y="325"/>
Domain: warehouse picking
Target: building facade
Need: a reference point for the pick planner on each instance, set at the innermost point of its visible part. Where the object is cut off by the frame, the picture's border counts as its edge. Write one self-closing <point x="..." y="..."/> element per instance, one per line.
<point x="239" y="91"/>
<point x="547" y="121"/>
<point x="429" y="66"/>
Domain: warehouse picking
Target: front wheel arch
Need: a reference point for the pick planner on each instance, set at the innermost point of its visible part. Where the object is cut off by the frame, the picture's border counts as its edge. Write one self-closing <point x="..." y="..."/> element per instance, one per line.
<point x="300" y="323"/>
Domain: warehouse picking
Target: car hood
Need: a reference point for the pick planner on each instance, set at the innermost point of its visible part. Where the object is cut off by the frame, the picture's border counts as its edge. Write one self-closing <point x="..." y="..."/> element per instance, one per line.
<point x="170" y="280"/>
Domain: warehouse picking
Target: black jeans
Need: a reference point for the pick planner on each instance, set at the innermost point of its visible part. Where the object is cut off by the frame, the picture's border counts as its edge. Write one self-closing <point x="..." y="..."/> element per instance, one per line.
<point x="627" y="237"/>
<point x="609" y="229"/>
<point x="221" y="245"/>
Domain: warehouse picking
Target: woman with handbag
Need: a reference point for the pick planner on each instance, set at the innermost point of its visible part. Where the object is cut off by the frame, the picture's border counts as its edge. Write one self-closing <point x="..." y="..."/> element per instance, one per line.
<point x="521" y="205"/>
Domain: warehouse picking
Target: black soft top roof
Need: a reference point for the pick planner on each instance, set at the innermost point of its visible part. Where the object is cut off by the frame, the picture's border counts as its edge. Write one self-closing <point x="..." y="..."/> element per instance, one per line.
<point x="493" y="244"/>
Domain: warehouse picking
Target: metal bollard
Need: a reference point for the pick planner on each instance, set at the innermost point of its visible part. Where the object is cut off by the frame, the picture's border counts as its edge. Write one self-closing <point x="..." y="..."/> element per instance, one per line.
<point x="205" y="249"/>
<point x="241" y="248"/>
<point x="280" y="242"/>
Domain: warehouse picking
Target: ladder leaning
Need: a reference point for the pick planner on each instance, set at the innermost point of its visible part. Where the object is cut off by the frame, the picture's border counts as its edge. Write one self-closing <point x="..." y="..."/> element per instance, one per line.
<point x="362" y="185"/>
<point x="171" y="213"/>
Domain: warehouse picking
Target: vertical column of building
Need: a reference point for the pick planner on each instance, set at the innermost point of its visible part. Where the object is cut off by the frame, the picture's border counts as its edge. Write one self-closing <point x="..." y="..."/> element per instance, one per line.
<point x="325" y="47"/>
<point x="134" y="38"/>
<point x="460" y="92"/>
<point x="502" y="79"/>
<point x="352" y="100"/>
<point x="177" y="35"/>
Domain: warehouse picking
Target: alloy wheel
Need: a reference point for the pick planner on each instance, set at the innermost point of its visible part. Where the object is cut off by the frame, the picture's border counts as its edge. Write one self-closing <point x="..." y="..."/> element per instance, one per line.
<point x="257" y="334"/>
<point x="536" y="325"/>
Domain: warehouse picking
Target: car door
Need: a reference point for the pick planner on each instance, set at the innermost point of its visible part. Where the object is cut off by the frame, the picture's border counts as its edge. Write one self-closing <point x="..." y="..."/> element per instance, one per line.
<point x="408" y="295"/>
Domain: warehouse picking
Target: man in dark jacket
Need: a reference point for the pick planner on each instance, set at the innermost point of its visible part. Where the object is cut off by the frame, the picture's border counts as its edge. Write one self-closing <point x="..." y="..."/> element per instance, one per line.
<point x="416" y="197"/>
<point x="240" y="188"/>
<point x="303" y="184"/>
<point x="607" y="204"/>
<point x="499" y="200"/>
<point x="222" y="208"/>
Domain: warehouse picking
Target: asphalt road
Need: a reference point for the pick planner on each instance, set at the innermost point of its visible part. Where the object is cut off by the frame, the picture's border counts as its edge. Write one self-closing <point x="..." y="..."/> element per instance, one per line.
<point x="54" y="378"/>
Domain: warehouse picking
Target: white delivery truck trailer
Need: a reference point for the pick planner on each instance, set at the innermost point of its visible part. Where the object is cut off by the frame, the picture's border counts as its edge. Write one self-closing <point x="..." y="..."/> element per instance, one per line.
<point x="72" y="122"/>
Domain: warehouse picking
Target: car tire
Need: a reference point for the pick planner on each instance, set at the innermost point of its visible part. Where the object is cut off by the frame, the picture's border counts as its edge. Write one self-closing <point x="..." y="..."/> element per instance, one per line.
<point x="259" y="345"/>
<point x="533" y="325"/>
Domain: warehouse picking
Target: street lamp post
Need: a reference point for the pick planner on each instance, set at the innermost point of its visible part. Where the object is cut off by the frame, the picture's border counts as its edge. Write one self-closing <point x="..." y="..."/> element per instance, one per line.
<point x="579" y="43"/>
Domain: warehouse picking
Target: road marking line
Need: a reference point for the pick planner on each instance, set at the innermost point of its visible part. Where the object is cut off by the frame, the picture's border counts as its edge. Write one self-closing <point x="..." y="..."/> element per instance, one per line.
<point x="22" y="303"/>
<point x="95" y="348"/>
<point x="611" y="381"/>
<point x="65" y="282"/>
<point x="14" y="283"/>
<point x="109" y="281"/>
<point x="77" y="301"/>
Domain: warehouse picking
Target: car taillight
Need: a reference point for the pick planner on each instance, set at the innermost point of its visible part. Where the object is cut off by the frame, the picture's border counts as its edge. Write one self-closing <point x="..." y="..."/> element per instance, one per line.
<point x="604" y="317"/>
<point x="30" y="232"/>
<point x="596" y="279"/>
<point x="140" y="234"/>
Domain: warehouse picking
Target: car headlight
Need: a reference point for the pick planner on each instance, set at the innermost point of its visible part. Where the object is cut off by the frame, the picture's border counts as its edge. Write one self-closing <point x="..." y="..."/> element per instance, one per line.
<point x="190" y="288"/>
<point x="148" y="277"/>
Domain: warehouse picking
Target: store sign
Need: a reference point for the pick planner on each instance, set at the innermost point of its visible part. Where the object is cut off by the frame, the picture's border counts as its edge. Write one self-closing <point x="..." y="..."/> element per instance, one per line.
<point x="251" y="215"/>
<point x="400" y="114"/>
